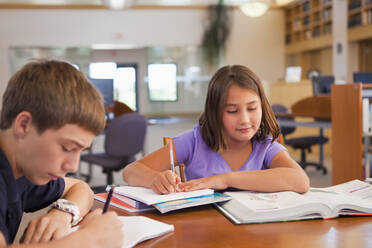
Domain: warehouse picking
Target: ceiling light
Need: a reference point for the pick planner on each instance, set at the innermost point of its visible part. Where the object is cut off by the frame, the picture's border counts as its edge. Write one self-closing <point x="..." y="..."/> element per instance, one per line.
<point x="255" y="8"/>
<point x="283" y="2"/>
<point x="118" y="4"/>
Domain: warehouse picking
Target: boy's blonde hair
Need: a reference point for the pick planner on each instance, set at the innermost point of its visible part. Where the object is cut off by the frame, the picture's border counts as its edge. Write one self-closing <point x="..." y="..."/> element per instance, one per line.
<point x="55" y="93"/>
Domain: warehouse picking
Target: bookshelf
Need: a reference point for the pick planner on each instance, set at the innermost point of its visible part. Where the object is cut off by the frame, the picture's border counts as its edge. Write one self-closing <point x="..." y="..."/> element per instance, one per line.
<point x="348" y="152"/>
<point x="308" y="34"/>
<point x="307" y="20"/>
<point x="359" y="13"/>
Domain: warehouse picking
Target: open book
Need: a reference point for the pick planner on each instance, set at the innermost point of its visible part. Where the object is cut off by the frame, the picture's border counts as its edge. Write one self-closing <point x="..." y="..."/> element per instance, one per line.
<point x="351" y="198"/>
<point x="139" y="228"/>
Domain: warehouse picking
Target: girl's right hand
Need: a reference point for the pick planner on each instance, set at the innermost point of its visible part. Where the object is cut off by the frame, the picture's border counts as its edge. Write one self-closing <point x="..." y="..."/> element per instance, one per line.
<point x="165" y="182"/>
<point x="105" y="230"/>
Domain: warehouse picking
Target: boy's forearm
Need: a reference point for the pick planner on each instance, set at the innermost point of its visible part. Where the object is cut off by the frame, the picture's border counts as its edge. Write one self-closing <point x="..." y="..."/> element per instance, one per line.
<point x="81" y="194"/>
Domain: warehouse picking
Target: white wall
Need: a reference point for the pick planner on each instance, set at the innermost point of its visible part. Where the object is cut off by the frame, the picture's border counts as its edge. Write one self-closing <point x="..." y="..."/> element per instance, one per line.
<point x="259" y="44"/>
<point x="255" y="42"/>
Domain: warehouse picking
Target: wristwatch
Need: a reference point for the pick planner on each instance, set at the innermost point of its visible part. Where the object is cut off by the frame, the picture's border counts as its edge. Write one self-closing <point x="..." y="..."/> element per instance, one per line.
<point x="69" y="207"/>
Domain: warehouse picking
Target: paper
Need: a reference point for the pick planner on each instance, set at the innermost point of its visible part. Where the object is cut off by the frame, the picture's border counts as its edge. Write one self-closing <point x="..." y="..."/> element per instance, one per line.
<point x="139" y="228"/>
<point x="149" y="197"/>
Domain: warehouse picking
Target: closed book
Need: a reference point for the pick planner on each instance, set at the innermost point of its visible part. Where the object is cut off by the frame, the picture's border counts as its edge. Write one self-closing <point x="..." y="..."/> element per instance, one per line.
<point x="121" y="204"/>
<point x="164" y="207"/>
<point x="130" y="201"/>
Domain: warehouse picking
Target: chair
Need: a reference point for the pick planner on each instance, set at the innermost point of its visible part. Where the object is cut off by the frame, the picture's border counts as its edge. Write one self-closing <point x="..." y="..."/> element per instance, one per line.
<point x="304" y="143"/>
<point x="362" y="77"/>
<point x="180" y="168"/>
<point x="124" y="138"/>
<point x="322" y="84"/>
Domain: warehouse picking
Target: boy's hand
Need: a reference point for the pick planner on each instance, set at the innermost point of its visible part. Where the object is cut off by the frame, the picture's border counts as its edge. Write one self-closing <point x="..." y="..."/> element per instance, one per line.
<point x="165" y="182"/>
<point x="213" y="182"/>
<point x="52" y="226"/>
<point x="104" y="230"/>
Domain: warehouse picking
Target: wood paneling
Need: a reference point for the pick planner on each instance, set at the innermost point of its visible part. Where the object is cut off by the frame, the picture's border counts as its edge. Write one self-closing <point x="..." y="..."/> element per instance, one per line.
<point x="346" y="132"/>
<point x="365" y="56"/>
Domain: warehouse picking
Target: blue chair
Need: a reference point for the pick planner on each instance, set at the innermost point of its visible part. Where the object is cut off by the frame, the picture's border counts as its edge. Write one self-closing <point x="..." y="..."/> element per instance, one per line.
<point x="322" y="84"/>
<point x="362" y="77"/>
<point x="304" y="143"/>
<point x="124" y="138"/>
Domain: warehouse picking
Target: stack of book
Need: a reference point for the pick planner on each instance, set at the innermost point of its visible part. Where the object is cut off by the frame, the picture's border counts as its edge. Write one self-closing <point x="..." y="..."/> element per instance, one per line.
<point x="124" y="203"/>
<point x="136" y="199"/>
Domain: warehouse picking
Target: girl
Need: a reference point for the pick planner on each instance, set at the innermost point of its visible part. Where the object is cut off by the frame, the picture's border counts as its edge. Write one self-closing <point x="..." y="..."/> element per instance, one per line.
<point x="234" y="144"/>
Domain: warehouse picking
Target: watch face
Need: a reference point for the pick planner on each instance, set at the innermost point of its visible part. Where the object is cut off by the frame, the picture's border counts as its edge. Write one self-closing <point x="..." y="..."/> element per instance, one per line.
<point x="312" y="72"/>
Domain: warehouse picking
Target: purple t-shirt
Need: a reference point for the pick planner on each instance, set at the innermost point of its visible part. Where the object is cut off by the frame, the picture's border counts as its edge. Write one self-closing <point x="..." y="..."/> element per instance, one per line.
<point x="200" y="161"/>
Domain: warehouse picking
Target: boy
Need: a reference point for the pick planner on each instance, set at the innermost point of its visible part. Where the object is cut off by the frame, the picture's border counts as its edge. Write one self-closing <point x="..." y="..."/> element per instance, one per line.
<point x="50" y="113"/>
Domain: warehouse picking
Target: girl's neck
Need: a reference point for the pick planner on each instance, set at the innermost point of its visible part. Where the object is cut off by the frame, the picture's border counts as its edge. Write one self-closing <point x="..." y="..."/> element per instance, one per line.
<point x="238" y="145"/>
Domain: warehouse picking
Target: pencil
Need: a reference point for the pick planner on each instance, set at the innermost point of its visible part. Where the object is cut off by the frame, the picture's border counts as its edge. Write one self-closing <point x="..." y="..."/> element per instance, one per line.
<point x="171" y="155"/>
<point x="108" y="199"/>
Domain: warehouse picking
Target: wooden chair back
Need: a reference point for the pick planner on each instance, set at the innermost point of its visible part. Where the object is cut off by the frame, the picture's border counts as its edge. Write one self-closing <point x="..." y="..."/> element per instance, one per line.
<point x="181" y="167"/>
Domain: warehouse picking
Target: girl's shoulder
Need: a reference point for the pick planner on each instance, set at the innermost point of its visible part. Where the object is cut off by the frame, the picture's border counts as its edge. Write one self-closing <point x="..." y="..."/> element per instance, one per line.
<point x="193" y="133"/>
<point x="191" y="136"/>
<point x="267" y="142"/>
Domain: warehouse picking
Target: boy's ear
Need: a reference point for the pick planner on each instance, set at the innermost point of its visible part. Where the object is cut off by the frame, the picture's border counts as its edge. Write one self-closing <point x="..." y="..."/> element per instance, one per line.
<point x="22" y="124"/>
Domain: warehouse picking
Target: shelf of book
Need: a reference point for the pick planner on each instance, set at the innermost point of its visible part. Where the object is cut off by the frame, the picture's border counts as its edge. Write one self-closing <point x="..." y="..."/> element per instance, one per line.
<point x="308" y="33"/>
<point x="359" y="13"/>
<point x="349" y="153"/>
<point x="308" y="19"/>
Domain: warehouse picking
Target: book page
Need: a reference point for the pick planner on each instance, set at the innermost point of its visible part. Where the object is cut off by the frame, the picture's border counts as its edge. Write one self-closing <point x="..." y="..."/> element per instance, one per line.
<point x="149" y="197"/>
<point x="356" y="189"/>
<point x="268" y="202"/>
<point x="356" y="194"/>
<point x="140" y="228"/>
<point x="255" y="207"/>
<point x="327" y="196"/>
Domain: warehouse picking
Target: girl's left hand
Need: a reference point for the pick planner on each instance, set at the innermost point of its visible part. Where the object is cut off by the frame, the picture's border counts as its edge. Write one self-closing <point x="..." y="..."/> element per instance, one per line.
<point x="213" y="182"/>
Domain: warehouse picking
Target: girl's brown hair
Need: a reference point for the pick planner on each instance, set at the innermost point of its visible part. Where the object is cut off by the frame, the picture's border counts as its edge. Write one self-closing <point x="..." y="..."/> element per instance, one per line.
<point x="211" y="119"/>
<point x="55" y="93"/>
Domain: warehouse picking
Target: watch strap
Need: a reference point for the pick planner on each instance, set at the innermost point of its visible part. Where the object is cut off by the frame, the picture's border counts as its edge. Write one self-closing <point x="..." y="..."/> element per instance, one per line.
<point x="69" y="207"/>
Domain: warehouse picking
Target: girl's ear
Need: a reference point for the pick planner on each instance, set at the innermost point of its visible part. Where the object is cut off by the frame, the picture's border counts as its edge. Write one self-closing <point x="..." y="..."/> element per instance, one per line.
<point x="22" y="124"/>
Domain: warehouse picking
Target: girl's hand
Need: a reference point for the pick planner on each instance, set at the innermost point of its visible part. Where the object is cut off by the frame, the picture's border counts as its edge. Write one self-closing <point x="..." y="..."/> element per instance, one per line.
<point x="213" y="182"/>
<point x="165" y="182"/>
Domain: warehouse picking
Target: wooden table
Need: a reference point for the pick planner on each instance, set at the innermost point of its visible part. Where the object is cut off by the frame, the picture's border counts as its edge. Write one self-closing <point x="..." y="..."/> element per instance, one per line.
<point x="206" y="227"/>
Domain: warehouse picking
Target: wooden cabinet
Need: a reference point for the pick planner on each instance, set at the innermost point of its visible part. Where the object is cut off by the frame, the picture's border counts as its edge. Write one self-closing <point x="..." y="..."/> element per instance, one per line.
<point x="347" y="148"/>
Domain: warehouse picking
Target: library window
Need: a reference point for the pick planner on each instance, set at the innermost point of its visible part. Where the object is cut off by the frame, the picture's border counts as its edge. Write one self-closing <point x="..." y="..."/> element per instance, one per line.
<point x="162" y="82"/>
<point x="123" y="81"/>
